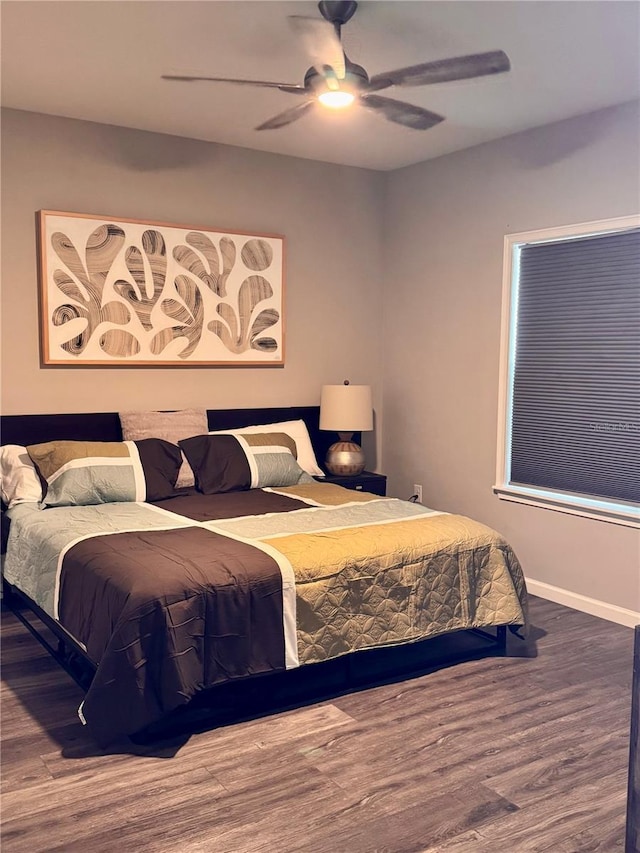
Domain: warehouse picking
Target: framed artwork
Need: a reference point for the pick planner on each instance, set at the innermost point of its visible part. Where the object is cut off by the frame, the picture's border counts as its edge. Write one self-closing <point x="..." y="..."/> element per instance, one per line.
<point x="126" y="292"/>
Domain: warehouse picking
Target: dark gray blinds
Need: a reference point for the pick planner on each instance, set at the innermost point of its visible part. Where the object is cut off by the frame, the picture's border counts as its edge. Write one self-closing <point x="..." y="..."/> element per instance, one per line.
<point x="576" y="383"/>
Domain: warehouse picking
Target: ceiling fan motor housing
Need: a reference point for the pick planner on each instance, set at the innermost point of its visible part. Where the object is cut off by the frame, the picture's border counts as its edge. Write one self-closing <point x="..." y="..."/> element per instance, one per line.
<point x="337" y="11"/>
<point x="356" y="77"/>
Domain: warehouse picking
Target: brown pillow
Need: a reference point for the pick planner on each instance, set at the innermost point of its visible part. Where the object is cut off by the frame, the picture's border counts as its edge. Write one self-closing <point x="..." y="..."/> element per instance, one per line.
<point x="81" y="473"/>
<point x="228" y="463"/>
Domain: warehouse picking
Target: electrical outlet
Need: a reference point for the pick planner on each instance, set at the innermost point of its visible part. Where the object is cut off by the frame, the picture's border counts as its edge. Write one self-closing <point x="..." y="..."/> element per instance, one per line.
<point x="417" y="490"/>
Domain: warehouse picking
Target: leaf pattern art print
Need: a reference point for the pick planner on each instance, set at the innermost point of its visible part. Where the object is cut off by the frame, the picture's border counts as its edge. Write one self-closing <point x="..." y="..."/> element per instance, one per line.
<point x="125" y="292"/>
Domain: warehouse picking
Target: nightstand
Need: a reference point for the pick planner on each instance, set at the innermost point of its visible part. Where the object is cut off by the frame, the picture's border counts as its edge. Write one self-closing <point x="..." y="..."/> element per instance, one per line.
<point x="367" y="481"/>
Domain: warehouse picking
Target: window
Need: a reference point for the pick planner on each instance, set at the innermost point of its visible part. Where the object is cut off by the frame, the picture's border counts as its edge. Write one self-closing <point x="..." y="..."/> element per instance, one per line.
<point x="569" y="435"/>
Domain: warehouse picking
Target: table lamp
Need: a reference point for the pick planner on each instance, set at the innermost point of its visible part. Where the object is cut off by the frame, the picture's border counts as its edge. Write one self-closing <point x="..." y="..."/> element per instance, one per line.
<point x="345" y="409"/>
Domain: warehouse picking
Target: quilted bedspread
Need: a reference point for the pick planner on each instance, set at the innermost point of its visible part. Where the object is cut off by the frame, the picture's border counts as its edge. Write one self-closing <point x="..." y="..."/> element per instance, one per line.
<point x="178" y="596"/>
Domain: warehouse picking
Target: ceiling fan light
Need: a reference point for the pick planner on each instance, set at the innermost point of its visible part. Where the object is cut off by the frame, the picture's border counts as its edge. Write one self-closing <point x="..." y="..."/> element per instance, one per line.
<point x="336" y="100"/>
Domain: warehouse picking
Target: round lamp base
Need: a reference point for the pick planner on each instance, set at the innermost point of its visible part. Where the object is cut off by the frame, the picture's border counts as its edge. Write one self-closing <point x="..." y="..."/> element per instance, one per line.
<point x="345" y="458"/>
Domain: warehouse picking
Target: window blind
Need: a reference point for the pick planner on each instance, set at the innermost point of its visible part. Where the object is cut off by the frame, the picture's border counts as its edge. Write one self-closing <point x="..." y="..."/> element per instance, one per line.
<point x="575" y="418"/>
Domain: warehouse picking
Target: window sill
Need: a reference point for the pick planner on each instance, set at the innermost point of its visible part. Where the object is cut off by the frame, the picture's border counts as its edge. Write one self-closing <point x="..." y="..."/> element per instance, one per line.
<point x="599" y="510"/>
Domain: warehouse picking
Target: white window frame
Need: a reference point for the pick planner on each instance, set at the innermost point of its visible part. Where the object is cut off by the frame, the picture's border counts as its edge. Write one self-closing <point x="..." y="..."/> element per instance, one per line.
<point x="590" y="507"/>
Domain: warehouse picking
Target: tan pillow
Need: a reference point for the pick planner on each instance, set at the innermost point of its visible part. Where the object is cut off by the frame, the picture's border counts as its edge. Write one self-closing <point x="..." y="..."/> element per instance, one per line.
<point x="170" y="426"/>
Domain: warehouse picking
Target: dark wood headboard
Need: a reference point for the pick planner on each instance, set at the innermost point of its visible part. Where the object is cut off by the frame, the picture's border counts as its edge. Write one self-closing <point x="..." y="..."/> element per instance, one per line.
<point x="105" y="426"/>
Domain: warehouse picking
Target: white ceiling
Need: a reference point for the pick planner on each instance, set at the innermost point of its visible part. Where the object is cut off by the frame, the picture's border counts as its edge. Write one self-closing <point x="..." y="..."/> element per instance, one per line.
<point x="102" y="61"/>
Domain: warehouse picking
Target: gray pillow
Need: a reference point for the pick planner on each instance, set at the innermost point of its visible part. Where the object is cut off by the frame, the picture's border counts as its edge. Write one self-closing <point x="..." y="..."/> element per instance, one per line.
<point x="170" y="426"/>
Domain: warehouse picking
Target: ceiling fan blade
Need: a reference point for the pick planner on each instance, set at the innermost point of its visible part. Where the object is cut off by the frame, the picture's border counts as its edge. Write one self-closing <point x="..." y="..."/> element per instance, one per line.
<point x="321" y="43"/>
<point x="288" y="116"/>
<point x="401" y="113"/>
<point x="443" y="70"/>
<point x="284" y="87"/>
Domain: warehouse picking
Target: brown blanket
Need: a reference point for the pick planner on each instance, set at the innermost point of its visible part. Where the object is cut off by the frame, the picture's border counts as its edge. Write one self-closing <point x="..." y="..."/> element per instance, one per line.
<point x="178" y="610"/>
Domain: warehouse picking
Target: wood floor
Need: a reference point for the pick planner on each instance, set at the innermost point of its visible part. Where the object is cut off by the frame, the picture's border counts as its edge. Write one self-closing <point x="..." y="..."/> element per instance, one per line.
<point x="498" y="755"/>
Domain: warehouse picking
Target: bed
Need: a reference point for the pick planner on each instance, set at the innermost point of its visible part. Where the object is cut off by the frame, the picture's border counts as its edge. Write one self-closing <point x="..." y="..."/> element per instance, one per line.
<point x="255" y="570"/>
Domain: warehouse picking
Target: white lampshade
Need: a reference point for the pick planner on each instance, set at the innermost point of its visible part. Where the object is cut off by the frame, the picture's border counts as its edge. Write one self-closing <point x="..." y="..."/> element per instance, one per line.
<point x="346" y="408"/>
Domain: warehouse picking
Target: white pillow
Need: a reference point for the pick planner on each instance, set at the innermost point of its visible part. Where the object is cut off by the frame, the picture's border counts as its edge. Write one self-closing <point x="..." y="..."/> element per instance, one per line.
<point x="171" y="426"/>
<point x="20" y="480"/>
<point x="298" y="432"/>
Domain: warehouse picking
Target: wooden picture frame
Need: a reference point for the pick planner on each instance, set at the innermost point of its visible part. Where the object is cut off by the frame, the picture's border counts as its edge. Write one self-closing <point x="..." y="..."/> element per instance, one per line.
<point x="117" y="291"/>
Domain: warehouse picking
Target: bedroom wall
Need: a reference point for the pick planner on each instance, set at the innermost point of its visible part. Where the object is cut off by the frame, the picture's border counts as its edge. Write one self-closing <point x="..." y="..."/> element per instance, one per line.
<point x="329" y="215"/>
<point x="444" y="225"/>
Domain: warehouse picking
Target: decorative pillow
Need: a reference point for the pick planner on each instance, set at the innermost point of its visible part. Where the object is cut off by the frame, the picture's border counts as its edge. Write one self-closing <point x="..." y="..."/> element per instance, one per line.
<point x="298" y="432"/>
<point x="79" y="473"/>
<point x="171" y="426"/>
<point x="20" y="480"/>
<point x="228" y="463"/>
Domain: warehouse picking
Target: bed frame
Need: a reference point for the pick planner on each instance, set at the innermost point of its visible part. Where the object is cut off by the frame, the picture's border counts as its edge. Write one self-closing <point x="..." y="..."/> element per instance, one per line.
<point x="257" y="695"/>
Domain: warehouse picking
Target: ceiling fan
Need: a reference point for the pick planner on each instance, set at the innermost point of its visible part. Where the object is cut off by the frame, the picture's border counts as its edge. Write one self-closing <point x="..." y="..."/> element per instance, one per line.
<point x="335" y="81"/>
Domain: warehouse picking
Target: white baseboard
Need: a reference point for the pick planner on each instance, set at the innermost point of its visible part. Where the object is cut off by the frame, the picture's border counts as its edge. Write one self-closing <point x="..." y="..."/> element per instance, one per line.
<point x="586" y="605"/>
